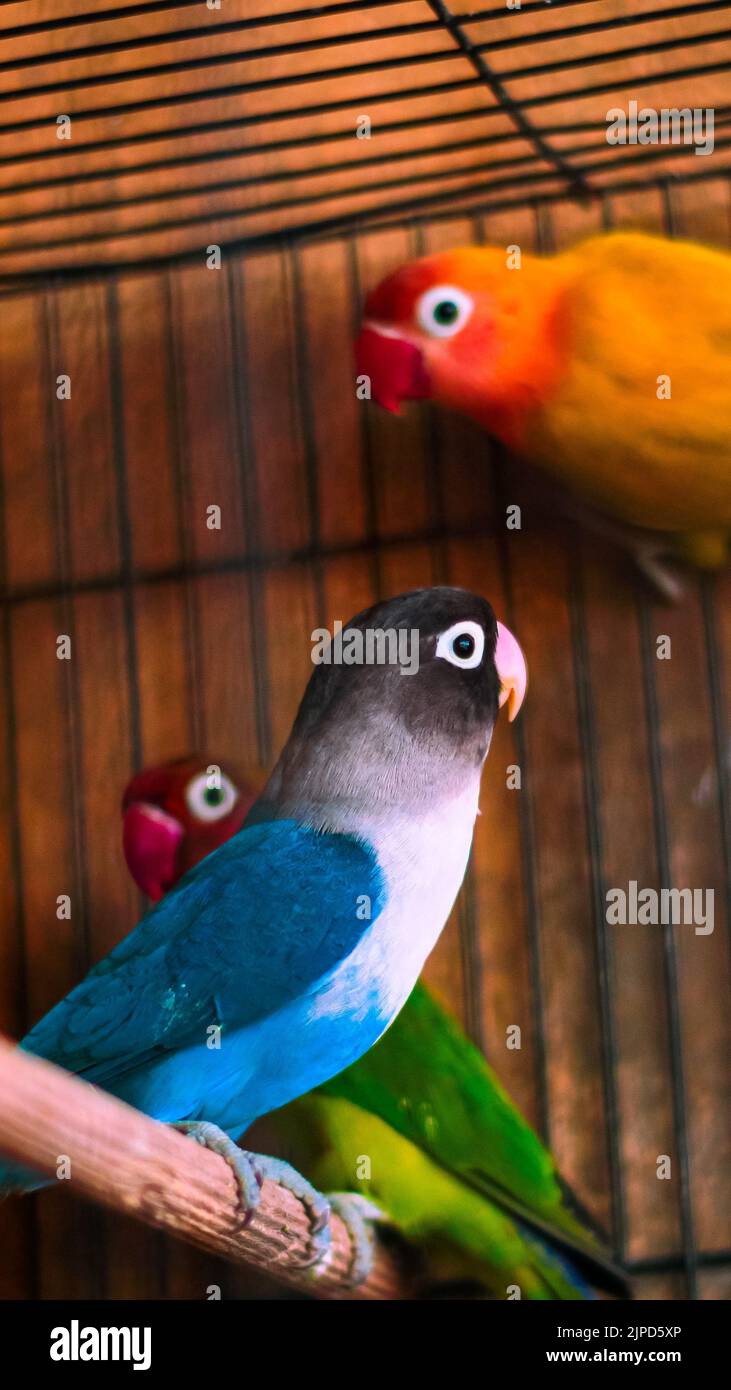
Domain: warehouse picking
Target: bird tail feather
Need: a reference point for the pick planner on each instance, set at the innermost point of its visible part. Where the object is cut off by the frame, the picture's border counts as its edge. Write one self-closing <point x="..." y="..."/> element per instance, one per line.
<point x="15" y="1180"/>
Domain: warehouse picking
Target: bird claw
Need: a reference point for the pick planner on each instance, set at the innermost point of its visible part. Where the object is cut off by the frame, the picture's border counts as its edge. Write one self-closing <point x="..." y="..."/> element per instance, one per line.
<point x="652" y="561"/>
<point x="317" y="1206"/>
<point x="652" y="552"/>
<point x="252" y="1170"/>
<point x="246" y="1172"/>
<point x="358" y="1215"/>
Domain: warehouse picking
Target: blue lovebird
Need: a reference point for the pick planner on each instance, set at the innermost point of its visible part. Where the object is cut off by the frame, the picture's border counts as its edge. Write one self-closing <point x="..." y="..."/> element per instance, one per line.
<point x="303" y="935"/>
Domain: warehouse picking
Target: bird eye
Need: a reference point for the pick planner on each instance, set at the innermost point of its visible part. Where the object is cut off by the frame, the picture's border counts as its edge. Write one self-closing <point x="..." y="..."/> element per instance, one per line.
<point x="463" y="644"/>
<point x="207" y="800"/>
<point x="443" y="311"/>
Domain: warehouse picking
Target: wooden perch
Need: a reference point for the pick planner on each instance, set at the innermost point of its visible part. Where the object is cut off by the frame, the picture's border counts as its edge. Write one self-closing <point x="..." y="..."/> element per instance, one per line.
<point x="124" y="1160"/>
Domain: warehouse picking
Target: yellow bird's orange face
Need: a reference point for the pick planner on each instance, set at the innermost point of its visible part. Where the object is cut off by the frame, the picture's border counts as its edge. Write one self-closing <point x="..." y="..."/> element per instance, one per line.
<point x="462" y="329"/>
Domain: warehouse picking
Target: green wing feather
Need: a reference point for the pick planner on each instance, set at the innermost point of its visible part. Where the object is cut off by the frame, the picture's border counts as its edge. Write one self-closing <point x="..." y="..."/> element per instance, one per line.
<point x="460" y="1234"/>
<point x="427" y="1081"/>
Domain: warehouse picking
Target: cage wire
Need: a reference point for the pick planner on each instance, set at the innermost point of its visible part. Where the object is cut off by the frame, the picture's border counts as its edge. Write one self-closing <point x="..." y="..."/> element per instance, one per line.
<point x="190" y="127"/>
<point x="187" y="123"/>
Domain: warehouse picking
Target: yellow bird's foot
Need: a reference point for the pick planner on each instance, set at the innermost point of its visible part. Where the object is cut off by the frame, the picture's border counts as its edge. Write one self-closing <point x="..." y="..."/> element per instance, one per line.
<point x="651" y="558"/>
<point x="705" y="550"/>
<point x="652" y="552"/>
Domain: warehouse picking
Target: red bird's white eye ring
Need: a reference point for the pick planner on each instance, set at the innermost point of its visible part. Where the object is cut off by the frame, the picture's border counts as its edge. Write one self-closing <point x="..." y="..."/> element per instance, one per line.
<point x="443" y="311"/>
<point x="208" y="801"/>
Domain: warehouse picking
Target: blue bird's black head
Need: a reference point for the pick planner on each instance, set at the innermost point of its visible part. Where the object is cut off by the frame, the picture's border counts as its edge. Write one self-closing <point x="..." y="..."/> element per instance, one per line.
<point x="402" y="701"/>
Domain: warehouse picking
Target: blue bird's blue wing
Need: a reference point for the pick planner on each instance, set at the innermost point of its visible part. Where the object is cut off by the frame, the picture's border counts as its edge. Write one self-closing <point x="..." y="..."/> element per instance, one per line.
<point x="253" y="926"/>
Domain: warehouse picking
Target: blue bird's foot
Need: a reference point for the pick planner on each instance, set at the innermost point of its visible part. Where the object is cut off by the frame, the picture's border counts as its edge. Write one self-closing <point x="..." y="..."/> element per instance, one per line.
<point x="317" y="1206"/>
<point x="247" y="1176"/>
<point x="250" y="1171"/>
<point x="358" y="1215"/>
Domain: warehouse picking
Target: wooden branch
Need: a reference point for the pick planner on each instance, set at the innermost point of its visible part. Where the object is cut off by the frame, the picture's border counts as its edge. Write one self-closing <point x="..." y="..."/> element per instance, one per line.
<point x="126" y="1161"/>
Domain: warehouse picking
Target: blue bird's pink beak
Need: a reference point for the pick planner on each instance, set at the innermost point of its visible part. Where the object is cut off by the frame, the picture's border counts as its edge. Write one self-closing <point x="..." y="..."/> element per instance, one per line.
<point x="511" y="669"/>
<point x="394" y="366"/>
<point x="151" y="839"/>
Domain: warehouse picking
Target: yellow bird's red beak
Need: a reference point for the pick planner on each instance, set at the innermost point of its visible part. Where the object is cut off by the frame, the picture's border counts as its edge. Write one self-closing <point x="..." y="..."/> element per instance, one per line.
<point x="394" y="367"/>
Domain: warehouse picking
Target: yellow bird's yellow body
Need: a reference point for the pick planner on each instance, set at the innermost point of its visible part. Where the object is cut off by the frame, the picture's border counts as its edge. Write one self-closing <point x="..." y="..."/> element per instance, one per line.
<point x="640" y="418"/>
<point x="609" y="365"/>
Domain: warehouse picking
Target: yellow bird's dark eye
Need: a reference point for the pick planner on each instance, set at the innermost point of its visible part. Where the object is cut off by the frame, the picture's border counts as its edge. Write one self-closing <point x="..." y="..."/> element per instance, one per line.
<point x="446" y="312"/>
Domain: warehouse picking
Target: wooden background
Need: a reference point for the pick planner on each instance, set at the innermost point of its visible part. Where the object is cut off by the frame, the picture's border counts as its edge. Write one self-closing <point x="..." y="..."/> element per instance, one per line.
<point x="235" y="387"/>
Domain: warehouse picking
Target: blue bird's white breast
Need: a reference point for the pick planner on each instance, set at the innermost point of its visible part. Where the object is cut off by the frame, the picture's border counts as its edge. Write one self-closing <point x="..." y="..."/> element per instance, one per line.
<point x="423" y="856"/>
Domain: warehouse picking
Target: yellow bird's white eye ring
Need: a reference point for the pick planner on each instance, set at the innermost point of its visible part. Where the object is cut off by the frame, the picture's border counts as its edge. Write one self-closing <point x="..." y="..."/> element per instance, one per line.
<point x="463" y="645"/>
<point x="443" y="311"/>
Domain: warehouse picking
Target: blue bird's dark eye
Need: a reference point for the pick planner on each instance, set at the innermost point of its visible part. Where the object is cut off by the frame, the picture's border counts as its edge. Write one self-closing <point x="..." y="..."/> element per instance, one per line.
<point x="463" y="646"/>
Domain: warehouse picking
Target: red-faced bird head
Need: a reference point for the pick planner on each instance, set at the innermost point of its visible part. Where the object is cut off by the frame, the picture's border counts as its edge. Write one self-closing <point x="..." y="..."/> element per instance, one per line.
<point x="176" y="814"/>
<point x="465" y="330"/>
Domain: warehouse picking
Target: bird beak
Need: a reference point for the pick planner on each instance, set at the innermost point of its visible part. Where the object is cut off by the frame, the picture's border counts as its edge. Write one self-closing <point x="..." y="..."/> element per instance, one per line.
<point x="511" y="669"/>
<point x="394" y="366"/>
<point x="151" y="838"/>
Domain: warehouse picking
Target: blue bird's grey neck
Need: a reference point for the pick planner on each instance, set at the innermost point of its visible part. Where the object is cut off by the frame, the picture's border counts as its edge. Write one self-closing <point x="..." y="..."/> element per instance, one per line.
<point x="414" y="805"/>
<point x="416" y="808"/>
<point x="362" y="785"/>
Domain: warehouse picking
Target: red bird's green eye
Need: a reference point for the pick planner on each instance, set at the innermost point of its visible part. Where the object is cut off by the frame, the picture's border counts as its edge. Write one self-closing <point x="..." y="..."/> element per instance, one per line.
<point x="441" y="312"/>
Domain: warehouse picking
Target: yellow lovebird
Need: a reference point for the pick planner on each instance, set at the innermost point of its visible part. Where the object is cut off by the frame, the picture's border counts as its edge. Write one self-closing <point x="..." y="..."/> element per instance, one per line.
<point x="608" y="365"/>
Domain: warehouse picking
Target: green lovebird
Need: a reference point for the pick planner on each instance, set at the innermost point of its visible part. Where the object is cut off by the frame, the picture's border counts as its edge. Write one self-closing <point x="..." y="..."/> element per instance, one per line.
<point x="423" y="1128"/>
<point x="420" y="1126"/>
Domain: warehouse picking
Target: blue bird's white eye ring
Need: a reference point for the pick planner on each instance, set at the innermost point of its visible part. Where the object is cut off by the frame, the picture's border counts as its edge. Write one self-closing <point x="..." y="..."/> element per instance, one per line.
<point x="463" y="644"/>
<point x="209" y="801"/>
<point x="441" y="312"/>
